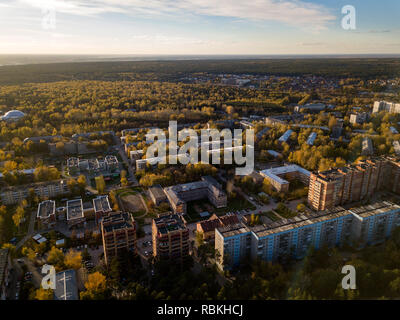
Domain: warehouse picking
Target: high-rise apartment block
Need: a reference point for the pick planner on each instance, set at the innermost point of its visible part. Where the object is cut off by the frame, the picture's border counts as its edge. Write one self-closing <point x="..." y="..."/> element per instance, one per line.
<point x="352" y="183"/>
<point x="170" y="238"/>
<point x="293" y="238"/>
<point x="119" y="234"/>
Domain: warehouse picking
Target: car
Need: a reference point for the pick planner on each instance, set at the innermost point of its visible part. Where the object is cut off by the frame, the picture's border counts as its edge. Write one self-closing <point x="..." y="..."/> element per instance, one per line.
<point x="20" y="261"/>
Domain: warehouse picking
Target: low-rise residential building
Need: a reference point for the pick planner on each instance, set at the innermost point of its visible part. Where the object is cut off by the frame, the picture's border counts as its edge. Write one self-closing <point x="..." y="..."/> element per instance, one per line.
<point x="135" y="155"/>
<point x="285" y="137"/>
<point x="46" y="213"/>
<point x="393" y="130"/>
<point x="367" y="148"/>
<point x="75" y="215"/>
<point x="92" y="166"/>
<point x="157" y="195"/>
<point x="207" y="227"/>
<point x="43" y="190"/>
<point x="170" y="238"/>
<point x="359" y="118"/>
<point x="111" y="163"/>
<point x="119" y="235"/>
<point x="208" y="187"/>
<point x="311" y="138"/>
<point x="66" y="286"/>
<point x="279" y="177"/>
<point x="316" y="107"/>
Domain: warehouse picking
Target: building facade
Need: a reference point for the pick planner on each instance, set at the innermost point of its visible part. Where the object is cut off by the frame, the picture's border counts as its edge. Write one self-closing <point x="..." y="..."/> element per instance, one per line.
<point x="43" y="191"/>
<point x="208" y="187"/>
<point x="334" y="187"/>
<point x="170" y="238"/>
<point x="119" y="234"/>
<point x="292" y="238"/>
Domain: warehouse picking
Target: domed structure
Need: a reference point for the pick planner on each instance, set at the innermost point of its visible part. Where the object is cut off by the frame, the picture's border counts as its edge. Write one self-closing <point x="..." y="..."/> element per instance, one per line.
<point x="13" y="115"/>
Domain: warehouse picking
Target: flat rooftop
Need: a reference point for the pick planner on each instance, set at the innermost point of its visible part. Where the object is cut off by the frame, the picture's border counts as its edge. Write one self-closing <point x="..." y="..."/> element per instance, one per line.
<point x="299" y="221"/>
<point x="101" y="203"/>
<point x="117" y="221"/>
<point x="274" y="173"/>
<point x="46" y="209"/>
<point x="169" y="223"/>
<point x="233" y="230"/>
<point x="66" y="286"/>
<point x="158" y="192"/>
<point x="74" y="209"/>
<point x="286" y="136"/>
<point x="374" y="209"/>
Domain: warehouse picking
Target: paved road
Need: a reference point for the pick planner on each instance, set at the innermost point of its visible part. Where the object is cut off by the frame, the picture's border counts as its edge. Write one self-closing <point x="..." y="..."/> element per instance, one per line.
<point x="125" y="159"/>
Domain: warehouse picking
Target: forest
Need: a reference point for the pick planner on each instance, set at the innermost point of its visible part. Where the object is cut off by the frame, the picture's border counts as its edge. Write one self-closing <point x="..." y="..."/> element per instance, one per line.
<point x="171" y="70"/>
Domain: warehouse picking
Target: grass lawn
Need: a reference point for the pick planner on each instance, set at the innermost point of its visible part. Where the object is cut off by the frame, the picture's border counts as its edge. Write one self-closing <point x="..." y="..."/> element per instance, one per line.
<point x="235" y="204"/>
<point x="125" y="192"/>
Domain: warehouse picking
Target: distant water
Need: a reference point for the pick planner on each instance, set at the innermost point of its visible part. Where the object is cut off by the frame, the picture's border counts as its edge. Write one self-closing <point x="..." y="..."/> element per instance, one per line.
<point x="21" y="59"/>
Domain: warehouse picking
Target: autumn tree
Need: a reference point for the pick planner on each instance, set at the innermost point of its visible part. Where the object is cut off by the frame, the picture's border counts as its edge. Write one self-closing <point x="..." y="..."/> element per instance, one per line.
<point x="95" y="287"/>
<point x="73" y="260"/>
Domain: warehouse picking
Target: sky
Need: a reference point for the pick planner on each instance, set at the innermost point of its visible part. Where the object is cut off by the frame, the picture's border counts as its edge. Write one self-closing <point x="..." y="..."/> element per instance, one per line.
<point x="197" y="27"/>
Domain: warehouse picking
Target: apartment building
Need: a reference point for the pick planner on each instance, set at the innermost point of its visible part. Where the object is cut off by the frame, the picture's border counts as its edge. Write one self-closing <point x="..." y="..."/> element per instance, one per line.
<point x="285" y="137"/>
<point x="208" y="187"/>
<point x="157" y="195"/>
<point x="46" y="213"/>
<point x="119" y="234"/>
<point x="292" y="238"/>
<point x="279" y="177"/>
<point x="374" y="223"/>
<point x="311" y="138"/>
<point x="5" y="266"/>
<point x="367" y="148"/>
<point x="390" y="107"/>
<point x="353" y="183"/>
<point x="396" y="147"/>
<point x="101" y="207"/>
<point x="45" y="190"/>
<point x="359" y="118"/>
<point x="170" y="238"/>
<point x="92" y="166"/>
<point x="233" y="245"/>
<point x="75" y="214"/>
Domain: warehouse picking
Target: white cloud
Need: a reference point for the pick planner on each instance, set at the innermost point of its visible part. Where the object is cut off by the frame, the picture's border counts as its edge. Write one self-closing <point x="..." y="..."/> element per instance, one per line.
<point x="292" y="12"/>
